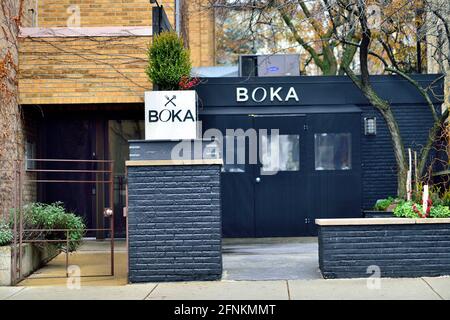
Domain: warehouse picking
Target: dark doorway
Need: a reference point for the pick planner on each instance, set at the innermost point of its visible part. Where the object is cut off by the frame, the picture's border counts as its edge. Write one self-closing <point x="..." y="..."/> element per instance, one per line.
<point x="69" y="139"/>
<point x="96" y="138"/>
<point x="119" y="133"/>
<point x="280" y="176"/>
<point x="312" y="170"/>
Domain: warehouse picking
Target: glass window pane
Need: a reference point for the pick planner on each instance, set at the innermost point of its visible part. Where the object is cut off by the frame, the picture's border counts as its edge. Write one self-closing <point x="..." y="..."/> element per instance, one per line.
<point x="333" y="151"/>
<point x="280" y="153"/>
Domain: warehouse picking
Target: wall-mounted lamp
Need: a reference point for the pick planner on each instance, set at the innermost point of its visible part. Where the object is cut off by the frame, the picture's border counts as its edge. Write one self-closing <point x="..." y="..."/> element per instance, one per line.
<point x="155" y="1"/>
<point x="370" y="126"/>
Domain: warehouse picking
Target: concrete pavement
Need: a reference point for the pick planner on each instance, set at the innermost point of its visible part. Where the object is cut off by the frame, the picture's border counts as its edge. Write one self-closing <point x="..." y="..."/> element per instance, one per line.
<point x="258" y="264"/>
<point x="390" y="289"/>
<point x="271" y="259"/>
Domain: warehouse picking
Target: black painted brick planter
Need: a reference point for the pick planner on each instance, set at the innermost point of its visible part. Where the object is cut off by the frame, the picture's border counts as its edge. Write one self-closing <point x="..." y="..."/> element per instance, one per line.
<point x="378" y="214"/>
<point x="399" y="250"/>
<point x="174" y="223"/>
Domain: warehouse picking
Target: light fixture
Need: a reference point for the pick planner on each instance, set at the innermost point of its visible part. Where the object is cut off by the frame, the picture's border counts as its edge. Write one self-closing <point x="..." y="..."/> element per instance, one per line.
<point x="155" y="1"/>
<point x="370" y="126"/>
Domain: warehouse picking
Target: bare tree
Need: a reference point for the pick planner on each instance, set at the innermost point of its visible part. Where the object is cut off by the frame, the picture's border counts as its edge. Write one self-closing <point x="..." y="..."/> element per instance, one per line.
<point x="379" y="36"/>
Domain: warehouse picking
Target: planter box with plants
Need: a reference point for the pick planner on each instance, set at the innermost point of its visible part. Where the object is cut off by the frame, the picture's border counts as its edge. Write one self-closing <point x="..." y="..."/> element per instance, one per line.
<point x="37" y="216"/>
<point x="384" y="208"/>
<point x="413" y="244"/>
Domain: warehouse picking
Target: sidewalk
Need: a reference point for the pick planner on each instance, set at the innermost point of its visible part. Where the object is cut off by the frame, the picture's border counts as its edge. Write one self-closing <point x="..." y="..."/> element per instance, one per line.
<point x="391" y="289"/>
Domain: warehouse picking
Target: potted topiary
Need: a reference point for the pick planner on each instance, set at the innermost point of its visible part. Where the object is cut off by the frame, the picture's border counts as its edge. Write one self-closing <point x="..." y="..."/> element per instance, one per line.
<point x="171" y="108"/>
<point x="168" y="62"/>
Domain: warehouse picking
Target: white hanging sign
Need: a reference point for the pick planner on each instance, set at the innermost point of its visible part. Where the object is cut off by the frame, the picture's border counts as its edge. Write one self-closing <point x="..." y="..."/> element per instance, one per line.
<point x="171" y="115"/>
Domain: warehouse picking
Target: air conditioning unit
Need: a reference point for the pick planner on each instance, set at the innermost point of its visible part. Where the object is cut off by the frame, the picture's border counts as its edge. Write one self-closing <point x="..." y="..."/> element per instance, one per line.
<point x="274" y="65"/>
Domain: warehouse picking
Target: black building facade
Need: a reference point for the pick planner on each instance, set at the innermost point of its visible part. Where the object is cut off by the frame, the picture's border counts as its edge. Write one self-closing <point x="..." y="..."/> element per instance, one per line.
<point x="330" y="167"/>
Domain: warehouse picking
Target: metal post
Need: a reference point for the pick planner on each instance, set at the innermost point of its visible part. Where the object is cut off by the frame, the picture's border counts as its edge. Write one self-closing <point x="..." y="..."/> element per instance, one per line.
<point x="111" y="205"/>
<point x="14" y="258"/>
<point x="67" y="253"/>
<point x="20" y="164"/>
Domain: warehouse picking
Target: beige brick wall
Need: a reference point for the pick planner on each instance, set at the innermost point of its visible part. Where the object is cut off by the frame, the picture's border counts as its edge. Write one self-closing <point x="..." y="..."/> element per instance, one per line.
<point x="76" y="70"/>
<point x="83" y="70"/>
<point x="29" y="13"/>
<point x="100" y="13"/>
<point x="200" y="25"/>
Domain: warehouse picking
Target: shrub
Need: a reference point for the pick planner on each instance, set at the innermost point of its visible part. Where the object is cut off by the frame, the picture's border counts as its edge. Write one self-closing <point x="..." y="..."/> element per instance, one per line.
<point x="6" y="235"/>
<point x="383" y="204"/>
<point x="405" y="210"/>
<point x="410" y="209"/>
<point x="53" y="216"/>
<point x="169" y="61"/>
<point x="440" y="212"/>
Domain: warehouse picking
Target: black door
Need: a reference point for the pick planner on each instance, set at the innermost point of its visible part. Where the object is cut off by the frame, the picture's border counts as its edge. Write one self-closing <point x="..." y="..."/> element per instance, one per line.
<point x="335" y="161"/>
<point x="69" y="139"/>
<point x="237" y="189"/>
<point x="280" y="184"/>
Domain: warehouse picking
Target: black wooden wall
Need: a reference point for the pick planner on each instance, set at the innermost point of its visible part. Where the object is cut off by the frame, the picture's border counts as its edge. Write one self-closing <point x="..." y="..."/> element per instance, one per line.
<point x="378" y="163"/>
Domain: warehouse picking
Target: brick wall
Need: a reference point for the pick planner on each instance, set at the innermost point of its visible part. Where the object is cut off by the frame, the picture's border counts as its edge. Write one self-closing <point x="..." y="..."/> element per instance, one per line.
<point x="174" y="223"/>
<point x="403" y="250"/>
<point x="378" y="161"/>
<point x="200" y="22"/>
<point x="83" y="70"/>
<point x="99" y="13"/>
<point x="75" y="70"/>
<point x="29" y="13"/>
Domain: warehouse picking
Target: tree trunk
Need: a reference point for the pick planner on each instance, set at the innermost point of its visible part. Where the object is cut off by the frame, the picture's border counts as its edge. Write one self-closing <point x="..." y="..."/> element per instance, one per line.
<point x="396" y="138"/>
<point x="11" y="137"/>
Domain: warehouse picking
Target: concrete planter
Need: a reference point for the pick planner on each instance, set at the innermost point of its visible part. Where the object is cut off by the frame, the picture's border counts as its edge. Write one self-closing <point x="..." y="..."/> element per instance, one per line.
<point x="394" y="247"/>
<point x="32" y="259"/>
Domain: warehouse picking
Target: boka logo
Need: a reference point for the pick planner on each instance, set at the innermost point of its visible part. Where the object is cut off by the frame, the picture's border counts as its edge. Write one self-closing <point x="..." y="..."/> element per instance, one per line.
<point x="171" y="112"/>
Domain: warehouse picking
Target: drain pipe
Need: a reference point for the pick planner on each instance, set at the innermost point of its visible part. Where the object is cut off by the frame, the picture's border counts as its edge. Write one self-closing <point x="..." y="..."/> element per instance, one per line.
<point x="178" y="16"/>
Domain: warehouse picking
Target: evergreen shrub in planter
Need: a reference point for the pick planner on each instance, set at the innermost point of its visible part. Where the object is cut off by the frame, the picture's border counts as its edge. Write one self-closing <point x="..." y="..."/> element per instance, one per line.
<point x="169" y="62"/>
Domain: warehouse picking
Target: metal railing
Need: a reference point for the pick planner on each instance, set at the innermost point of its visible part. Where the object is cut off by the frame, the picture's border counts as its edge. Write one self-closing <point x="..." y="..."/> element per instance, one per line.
<point x="17" y="179"/>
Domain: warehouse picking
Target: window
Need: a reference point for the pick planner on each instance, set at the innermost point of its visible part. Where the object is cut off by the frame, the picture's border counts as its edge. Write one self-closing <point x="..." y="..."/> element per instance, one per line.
<point x="333" y="151"/>
<point x="280" y="153"/>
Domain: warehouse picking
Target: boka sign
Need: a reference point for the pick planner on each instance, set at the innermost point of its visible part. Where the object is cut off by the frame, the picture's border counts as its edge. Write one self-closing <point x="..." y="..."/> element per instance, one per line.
<point x="271" y="94"/>
<point x="170" y="115"/>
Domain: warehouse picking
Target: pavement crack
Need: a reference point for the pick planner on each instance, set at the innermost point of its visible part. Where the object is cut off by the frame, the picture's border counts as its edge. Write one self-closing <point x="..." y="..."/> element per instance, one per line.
<point x="151" y="291"/>
<point x="432" y="289"/>
<point x="288" y="290"/>
<point x="15" y="293"/>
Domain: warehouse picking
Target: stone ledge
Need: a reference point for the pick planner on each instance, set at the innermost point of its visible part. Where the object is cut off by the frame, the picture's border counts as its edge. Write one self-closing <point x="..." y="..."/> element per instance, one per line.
<point x="150" y="163"/>
<point x="378" y="221"/>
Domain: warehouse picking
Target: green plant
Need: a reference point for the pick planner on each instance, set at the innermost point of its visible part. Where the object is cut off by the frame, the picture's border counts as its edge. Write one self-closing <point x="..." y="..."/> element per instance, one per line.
<point x="446" y="198"/>
<point x="440" y="212"/>
<point x="410" y="209"/>
<point x="383" y="204"/>
<point x="53" y="216"/>
<point x="6" y="235"/>
<point x="168" y="61"/>
<point x="405" y="210"/>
